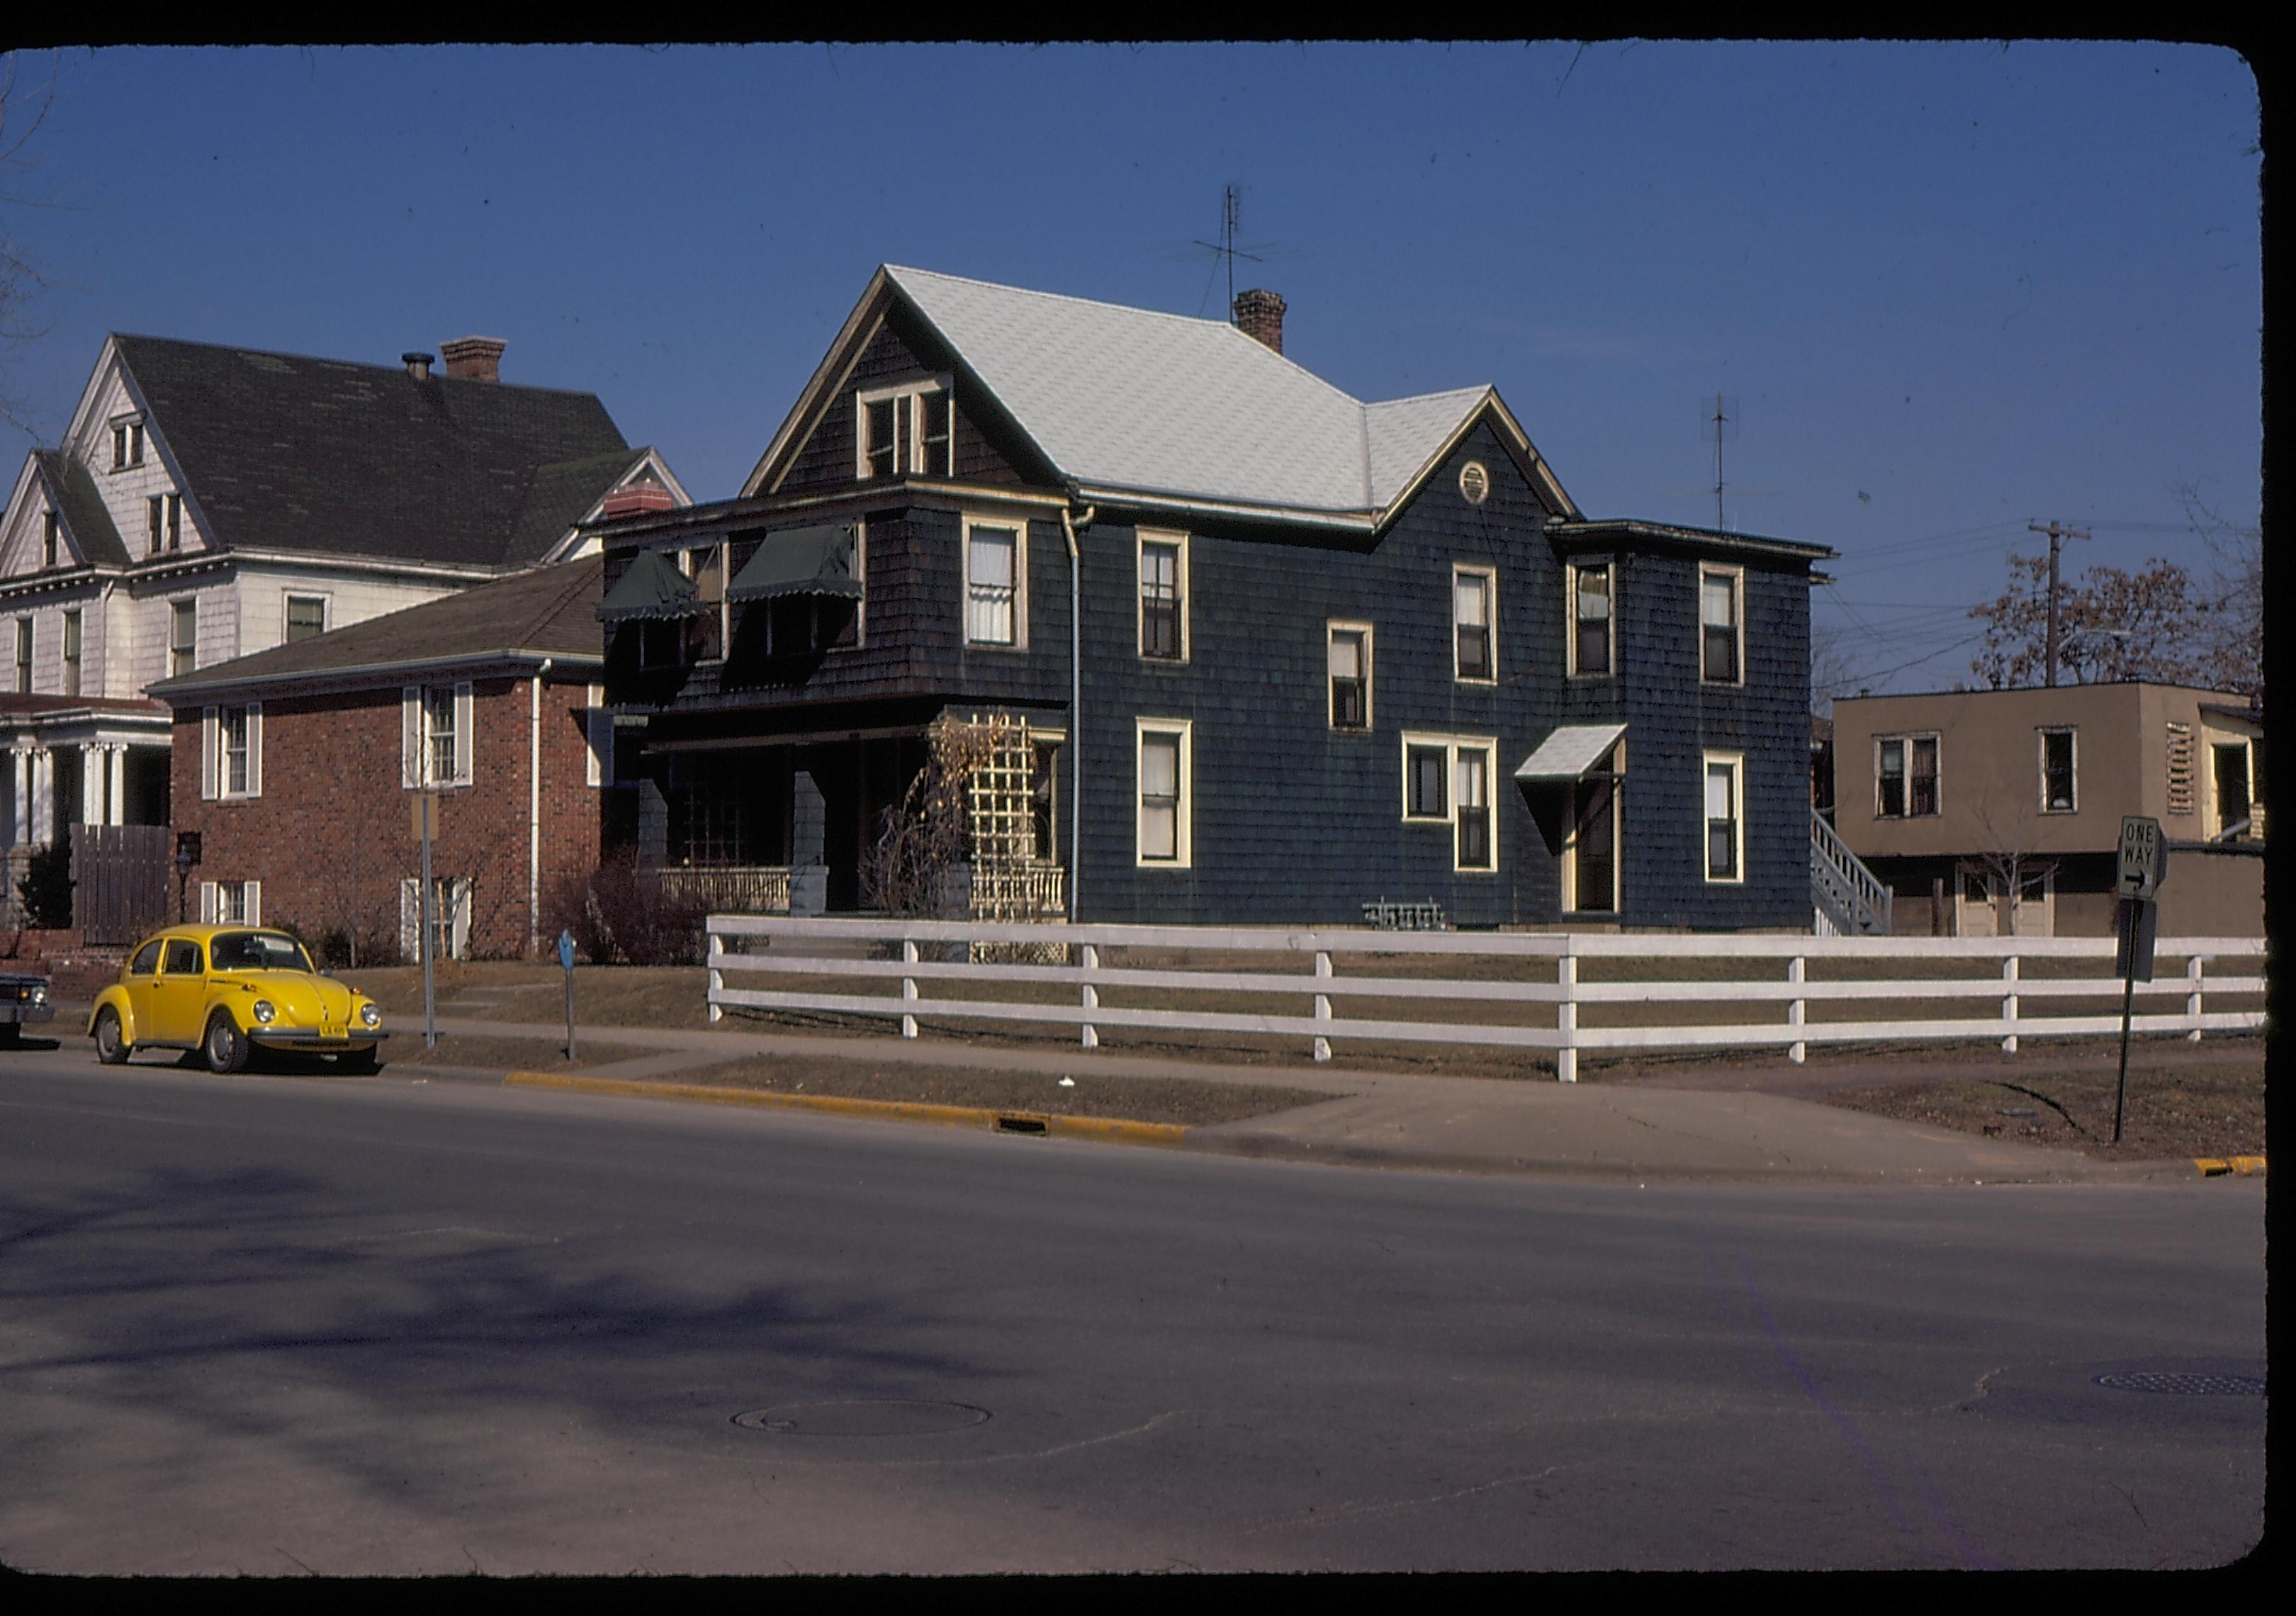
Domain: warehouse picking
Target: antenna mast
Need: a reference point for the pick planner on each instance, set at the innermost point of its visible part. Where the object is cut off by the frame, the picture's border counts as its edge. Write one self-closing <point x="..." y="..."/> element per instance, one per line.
<point x="1722" y="424"/>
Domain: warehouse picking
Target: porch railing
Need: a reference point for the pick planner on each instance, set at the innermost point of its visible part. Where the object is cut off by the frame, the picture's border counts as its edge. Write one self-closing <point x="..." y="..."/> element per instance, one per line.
<point x="1032" y="891"/>
<point x="729" y="889"/>
<point x="1846" y="893"/>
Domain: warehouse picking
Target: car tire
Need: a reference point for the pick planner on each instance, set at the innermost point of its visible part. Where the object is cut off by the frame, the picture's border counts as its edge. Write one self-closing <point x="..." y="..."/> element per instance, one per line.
<point x="110" y="1046"/>
<point x="11" y="1034"/>
<point x="225" y="1045"/>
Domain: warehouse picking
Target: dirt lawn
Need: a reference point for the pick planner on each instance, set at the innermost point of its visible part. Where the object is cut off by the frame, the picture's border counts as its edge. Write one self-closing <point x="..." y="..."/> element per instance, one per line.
<point x="1186" y="1101"/>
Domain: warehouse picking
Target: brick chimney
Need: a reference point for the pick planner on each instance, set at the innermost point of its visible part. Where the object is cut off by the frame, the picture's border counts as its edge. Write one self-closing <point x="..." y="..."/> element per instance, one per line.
<point x="476" y="358"/>
<point x="1260" y="315"/>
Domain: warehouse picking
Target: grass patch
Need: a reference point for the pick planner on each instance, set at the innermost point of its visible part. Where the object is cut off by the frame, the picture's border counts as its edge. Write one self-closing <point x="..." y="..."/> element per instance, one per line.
<point x="1181" y="1100"/>
<point x="2196" y="1108"/>
<point x="501" y="1054"/>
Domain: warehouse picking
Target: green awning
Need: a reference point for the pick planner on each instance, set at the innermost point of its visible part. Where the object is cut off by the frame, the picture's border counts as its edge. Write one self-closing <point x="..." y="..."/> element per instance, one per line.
<point x="799" y="560"/>
<point x="652" y="589"/>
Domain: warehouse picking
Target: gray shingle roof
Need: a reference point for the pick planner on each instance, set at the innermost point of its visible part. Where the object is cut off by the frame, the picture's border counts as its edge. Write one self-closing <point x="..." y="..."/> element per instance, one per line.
<point x="284" y="452"/>
<point x="551" y="611"/>
<point x="1151" y="403"/>
<point x="82" y="508"/>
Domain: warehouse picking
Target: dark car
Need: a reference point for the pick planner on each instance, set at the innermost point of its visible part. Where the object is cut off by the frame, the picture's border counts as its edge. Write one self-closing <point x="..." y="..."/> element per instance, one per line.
<point x="23" y="998"/>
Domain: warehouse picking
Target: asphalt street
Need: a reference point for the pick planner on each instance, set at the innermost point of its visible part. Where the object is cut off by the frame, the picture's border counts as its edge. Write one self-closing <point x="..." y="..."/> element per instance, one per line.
<point x="283" y="1325"/>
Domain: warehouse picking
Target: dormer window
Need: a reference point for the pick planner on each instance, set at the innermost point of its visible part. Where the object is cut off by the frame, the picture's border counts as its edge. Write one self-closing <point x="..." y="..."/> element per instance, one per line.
<point x="127" y="444"/>
<point x="904" y="431"/>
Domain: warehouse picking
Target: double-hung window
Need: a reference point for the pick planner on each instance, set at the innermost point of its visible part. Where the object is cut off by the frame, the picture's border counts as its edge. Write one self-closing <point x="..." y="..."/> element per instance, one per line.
<point x="231" y="751"/>
<point x="1591" y="615"/>
<point x="905" y="431"/>
<point x="1166" y="785"/>
<point x="435" y="735"/>
<point x="50" y="537"/>
<point x="1721" y="625"/>
<point x="155" y="521"/>
<point x="23" y="655"/>
<point x="1164" y="596"/>
<point x="71" y="654"/>
<point x="1905" y="777"/>
<point x="183" y="637"/>
<point x="1725" y="829"/>
<point x="1348" y="656"/>
<point x="1475" y="592"/>
<point x="2057" y="763"/>
<point x="996" y="573"/>
<point x="232" y="902"/>
<point x="127" y="444"/>
<point x="1447" y="780"/>
<point x="705" y="564"/>
<point x="307" y="617"/>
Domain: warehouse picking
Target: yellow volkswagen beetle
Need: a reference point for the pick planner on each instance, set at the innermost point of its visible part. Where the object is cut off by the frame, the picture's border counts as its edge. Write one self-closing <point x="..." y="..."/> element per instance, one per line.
<point x="224" y="989"/>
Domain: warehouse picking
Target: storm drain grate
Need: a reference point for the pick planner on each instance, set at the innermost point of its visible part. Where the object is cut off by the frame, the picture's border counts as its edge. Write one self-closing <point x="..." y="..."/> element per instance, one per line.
<point x="1034" y="1126"/>
<point x="2180" y="1383"/>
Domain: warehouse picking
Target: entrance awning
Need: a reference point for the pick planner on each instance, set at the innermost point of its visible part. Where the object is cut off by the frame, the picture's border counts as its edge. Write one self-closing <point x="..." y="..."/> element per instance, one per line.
<point x="799" y="560"/>
<point x="1570" y="752"/>
<point x="652" y="589"/>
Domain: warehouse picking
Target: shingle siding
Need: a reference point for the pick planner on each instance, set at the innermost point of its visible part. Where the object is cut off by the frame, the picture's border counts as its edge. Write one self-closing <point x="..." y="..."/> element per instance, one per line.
<point x="899" y="352"/>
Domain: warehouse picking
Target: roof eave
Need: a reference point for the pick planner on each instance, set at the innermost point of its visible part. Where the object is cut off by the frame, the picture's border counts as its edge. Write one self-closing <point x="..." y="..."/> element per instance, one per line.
<point x="373" y="673"/>
<point x="1599" y="527"/>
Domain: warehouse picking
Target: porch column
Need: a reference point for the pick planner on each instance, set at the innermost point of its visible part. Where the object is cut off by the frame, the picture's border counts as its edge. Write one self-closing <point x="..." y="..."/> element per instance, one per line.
<point x="19" y="776"/>
<point x="94" y="757"/>
<point x="43" y="816"/>
<point x="115" y="809"/>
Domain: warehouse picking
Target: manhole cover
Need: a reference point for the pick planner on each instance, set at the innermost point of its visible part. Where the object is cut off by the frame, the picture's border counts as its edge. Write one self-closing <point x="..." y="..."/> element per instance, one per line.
<point x="2181" y="1384"/>
<point x="863" y="1417"/>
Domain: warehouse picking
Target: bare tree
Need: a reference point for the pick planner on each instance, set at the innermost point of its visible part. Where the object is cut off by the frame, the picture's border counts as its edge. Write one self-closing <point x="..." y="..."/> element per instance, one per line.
<point x="2231" y="599"/>
<point x="2156" y="624"/>
<point x="2006" y="856"/>
<point x="23" y="110"/>
<point x="1830" y="674"/>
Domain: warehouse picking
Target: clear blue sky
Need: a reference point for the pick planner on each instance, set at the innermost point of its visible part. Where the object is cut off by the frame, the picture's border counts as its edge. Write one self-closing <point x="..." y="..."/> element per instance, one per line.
<point x="1949" y="288"/>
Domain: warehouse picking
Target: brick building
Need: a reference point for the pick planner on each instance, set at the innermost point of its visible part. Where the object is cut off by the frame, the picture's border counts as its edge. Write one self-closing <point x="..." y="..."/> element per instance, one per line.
<point x="297" y="767"/>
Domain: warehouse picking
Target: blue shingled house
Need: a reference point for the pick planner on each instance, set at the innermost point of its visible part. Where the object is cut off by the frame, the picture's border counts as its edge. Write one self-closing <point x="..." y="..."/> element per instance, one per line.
<point x="1282" y="653"/>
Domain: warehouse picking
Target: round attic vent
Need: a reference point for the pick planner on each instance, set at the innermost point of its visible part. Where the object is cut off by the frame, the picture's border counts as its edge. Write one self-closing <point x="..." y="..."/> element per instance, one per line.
<point x="1474" y="482"/>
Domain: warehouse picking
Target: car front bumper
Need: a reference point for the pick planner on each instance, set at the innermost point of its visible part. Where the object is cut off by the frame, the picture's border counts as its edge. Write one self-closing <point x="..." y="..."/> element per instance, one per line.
<point x="309" y="1037"/>
<point x="18" y="1011"/>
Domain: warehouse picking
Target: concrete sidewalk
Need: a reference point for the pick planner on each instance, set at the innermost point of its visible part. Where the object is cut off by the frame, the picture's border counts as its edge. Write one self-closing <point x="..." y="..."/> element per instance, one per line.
<point x="1644" y="1132"/>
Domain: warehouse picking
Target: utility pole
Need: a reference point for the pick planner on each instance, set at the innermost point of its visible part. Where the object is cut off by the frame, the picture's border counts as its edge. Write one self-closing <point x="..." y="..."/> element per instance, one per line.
<point x="2057" y="536"/>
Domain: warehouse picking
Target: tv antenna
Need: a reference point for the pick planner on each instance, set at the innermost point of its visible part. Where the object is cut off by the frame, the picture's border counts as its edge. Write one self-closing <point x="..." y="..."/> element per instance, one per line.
<point x="1231" y="225"/>
<point x="1721" y="424"/>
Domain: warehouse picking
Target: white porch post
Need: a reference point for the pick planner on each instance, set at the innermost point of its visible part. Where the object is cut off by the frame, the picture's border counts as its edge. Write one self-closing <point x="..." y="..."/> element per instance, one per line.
<point x="43" y="816"/>
<point x="115" y="809"/>
<point x="18" y="779"/>
<point x="94" y="755"/>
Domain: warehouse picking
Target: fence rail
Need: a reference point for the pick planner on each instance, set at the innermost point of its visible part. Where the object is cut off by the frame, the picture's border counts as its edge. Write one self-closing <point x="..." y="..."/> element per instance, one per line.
<point x="2009" y="992"/>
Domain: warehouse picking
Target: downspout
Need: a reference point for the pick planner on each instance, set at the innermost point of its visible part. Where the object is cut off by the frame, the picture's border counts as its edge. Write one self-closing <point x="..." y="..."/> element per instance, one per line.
<point x="534" y="817"/>
<point x="1076" y="702"/>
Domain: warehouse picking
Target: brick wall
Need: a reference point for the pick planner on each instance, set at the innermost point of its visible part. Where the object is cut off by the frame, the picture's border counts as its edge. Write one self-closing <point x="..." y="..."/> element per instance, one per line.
<point x="330" y="837"/>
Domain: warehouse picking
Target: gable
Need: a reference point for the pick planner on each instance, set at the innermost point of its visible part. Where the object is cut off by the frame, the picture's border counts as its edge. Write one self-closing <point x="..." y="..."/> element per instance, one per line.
<point x="898" y="351"/>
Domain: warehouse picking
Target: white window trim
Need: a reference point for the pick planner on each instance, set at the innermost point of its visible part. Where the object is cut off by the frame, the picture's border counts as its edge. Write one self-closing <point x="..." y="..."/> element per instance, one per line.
<point x="173" y="606"/>
<point x="1451" y="747"/>
<point x="689" y="563"/>
<point x="598" y="738"/>
<point x="1907" y="738"/>
<point x="1490" y="577"/>
<point x="251" y="893"/>
<point x="1618" y="833"/>
<point x="217" y="761"/>
<point x="1737" y="577"/>
<point x="27" y="651"/>
<point x="1736" y="763"/>
<point x="457" y="918"/>
<point x="415" y="770"/>
<point x="71" y="663"/>
<point x="1331" y="628"/>
<point x="914" y="448"/>
<point x="287" y="597"/>
<point x="1142" y="537"/>
<point x="1571" y="618"/>
<point x="1184" y="836"/>
<point x="2041" y="761"/>
<point x="130" y="457"/>
<point x="1019" y="526"/>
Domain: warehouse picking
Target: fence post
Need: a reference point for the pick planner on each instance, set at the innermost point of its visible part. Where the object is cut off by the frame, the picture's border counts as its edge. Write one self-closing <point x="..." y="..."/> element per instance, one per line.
<point x="1088" y="956"/>
<point x="716" y="977"/>
<point x="1794" y="974"/>
<point x="2192" y="998"/>
<point x="909" y="987"/>
<point x="2009" y="1001"/>
<point x="1323" y="1004"/>
<point x="1566" y="1016"/>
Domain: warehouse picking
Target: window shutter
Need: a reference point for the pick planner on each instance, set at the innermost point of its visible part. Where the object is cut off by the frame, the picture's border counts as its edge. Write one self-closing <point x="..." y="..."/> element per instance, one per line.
<point x="410" y="737"/>
<point x="207" y="754"/>
<point x="410" y="921"/>
<point x="463" y="734"/>
<point x="458" y="944"/>
<point x="254" y="903"/>
<point x="254" y="753"/>
<point x="600" y="767"/>
<point x="207" y="902"/>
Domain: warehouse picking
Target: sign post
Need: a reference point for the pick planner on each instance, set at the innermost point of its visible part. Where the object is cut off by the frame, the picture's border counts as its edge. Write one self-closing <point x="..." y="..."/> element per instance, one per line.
<point x="566" y="964"/>
<point x="2143" y="867"/>
<point x="426" y="826"/>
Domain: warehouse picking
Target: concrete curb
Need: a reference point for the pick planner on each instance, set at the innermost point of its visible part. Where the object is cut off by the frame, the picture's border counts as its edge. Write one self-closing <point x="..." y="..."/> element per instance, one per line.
<point x="1107" y="1130"/>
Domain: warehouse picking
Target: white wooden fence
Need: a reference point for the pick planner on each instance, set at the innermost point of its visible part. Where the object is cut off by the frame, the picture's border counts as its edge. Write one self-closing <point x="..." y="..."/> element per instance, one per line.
<point x="746" y="945"/>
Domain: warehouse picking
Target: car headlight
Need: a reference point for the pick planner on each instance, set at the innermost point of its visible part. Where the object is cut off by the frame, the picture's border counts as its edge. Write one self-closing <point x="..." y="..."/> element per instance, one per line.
<point x="369" y="1016"/>
<point x="40" y="992"/>
<point x="264" y="1012"/>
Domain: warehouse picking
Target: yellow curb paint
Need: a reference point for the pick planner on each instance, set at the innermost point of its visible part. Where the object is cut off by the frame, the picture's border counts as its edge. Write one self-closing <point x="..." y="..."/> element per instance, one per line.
<point x="2248" y="1164"/>
<point x="2210" y="1167"/>
<point x="1110" y="1130"/>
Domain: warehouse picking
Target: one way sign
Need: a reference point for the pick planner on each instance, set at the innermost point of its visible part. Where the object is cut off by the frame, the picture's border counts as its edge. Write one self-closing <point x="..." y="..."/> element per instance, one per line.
<point x="2143" y="862"/>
